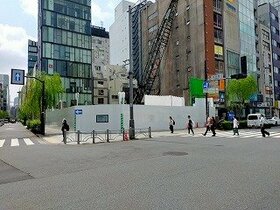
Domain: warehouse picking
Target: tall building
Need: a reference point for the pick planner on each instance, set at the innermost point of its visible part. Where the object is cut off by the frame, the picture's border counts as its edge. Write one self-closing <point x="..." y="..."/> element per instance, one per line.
<point x="264" y="49"/>
<point x="214" y="53"/>
<point x="64" y="46"/>
<point x="274" y="3"/>
<point x="119" y="34"/>
<point x="5" y="81"/>
<point x="247" y="15"/>
<point x="269" y="16"/>
<point x="32" y="56"/>
<point x="100" y="58"/>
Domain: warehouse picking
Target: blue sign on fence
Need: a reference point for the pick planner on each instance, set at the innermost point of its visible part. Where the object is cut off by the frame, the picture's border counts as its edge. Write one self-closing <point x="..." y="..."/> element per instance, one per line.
<point x="78" y="111"/>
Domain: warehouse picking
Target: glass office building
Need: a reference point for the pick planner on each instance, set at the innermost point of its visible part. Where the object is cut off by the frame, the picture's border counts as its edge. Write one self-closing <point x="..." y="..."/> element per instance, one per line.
<point x="247" y="33"/>
<point x="65" y="46"/>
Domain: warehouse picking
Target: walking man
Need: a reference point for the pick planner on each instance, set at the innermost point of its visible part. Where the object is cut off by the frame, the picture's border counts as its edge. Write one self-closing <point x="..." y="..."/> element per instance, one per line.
<point x="208" y="125"/>
<point x="64" y="128"/>
<point x="263" y="131"/>
<point x="235" y="126"/>
<point x="190" y="125"/>
<point x="171" y="124"/>
<point x="213" y="126"/>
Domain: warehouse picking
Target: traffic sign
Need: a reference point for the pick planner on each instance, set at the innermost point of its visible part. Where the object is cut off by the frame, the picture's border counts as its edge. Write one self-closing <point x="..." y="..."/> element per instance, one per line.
<point x="78" y="111"/>
<point x="206" y="85"/>
<point x="17" y="76"/>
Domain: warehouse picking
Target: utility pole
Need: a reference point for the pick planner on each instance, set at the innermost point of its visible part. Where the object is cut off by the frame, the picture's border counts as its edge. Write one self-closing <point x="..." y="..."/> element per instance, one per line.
<point x="130" y="74"/>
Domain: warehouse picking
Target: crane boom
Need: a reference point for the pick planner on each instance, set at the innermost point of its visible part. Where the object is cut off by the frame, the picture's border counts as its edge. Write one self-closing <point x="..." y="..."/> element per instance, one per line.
<point x="156" y="53"/>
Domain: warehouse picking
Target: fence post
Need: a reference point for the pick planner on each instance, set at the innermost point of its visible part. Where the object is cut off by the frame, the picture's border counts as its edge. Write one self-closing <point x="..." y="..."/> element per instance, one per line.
<point x="64" y="136"/>
<point x="93" y="137"/>
<point x="79" y="136"/>
<point x="107" y="132"/>
<point x="150" y="132"/>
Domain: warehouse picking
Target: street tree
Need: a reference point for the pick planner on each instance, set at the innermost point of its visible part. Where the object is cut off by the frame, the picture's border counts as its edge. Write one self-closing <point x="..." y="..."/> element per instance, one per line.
<point x="32" y="95"/>
<point x="239" y="93"/>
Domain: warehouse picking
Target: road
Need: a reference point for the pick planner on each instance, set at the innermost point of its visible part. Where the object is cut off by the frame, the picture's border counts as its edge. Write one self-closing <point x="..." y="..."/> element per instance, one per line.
<point x="177" y="172"/>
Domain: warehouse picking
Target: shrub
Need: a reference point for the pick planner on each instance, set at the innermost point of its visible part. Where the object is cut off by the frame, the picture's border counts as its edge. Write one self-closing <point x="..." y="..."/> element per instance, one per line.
<point x="226" y="125"/>
<point x="34" y="125"/>
<point x="243" y="124"/>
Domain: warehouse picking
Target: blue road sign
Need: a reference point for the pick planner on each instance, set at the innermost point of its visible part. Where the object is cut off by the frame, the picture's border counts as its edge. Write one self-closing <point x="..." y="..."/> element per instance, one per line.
<point x="206" y="85"/>
<point x="17" y="76"/>
<point x="78" y="111"/>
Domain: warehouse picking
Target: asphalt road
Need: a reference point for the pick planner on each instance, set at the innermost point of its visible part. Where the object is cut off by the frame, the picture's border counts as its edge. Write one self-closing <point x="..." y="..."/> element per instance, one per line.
<point x="159" y="173"/>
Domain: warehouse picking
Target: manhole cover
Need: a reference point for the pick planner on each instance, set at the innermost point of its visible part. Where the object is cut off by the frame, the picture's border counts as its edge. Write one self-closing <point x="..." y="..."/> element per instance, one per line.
<point x="175" y="153"/>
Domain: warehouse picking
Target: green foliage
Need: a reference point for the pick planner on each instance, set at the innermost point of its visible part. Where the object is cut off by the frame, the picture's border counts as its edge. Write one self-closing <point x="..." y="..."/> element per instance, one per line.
<point x="34" y="125"/>
<point x="243" y="124"/>
<point x="4" y="114"/>
<point x="239" y="93"/>
<point x="31" y="106"/>
<point x="228" y="125"/>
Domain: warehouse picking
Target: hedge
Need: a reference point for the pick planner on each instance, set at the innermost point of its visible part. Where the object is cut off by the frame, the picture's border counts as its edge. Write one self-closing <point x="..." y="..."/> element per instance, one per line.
<point x="228" y="125"/>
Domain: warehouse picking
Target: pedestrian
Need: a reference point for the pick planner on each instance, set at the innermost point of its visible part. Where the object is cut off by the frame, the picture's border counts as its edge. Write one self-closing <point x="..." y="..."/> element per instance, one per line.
<point x="235" y="126"/>
<point x="213" y="126"/>
<point x="171" y="124"/>
<point x="64" y="128"/>
<point x="208" y="125"/>
<point x="263" y="131"/>
<point x="190" y="125"/>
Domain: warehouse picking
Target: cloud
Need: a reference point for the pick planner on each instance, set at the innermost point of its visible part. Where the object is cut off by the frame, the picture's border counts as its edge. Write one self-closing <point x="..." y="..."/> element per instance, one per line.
<point x="30" y="7"/>
<point x="13" y="51"/>
<point x="99" y="15"/>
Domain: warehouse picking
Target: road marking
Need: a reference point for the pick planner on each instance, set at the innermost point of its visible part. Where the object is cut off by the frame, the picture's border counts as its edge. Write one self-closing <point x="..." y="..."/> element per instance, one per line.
<point x="14" y="143"/>
<point x="2" y="142"/>
<point x="28" y="142"/>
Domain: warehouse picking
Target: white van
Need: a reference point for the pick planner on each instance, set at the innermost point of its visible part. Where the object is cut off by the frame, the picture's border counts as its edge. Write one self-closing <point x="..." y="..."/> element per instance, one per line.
<point x="254" y="120"/>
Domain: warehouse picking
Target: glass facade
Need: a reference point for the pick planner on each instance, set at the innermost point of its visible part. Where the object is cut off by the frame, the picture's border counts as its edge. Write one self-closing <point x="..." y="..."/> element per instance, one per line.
<point x="247" y="33"/>
<point x="32" y="56"/>
<point x="65" y="46"/>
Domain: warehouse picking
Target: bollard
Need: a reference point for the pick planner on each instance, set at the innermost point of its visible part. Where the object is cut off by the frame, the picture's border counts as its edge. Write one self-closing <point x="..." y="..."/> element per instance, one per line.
<point x="64" y="136"/>
<point x="78" y="136"/>
<point x="107" y="132"/>
<point x="150" y="132"/>
<point x="93" y="137"/>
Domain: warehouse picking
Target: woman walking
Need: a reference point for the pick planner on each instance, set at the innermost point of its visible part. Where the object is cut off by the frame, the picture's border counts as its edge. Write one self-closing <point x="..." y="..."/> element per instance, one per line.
<point x="190" y="125"/>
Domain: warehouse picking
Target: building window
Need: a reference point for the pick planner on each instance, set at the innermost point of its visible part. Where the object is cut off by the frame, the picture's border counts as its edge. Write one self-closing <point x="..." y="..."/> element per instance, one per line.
<point x="266" y="46"/>
<point x="101" y="92"/>
<point x="115" y="97"/>
<point x="218" y="35"/>
<point x="218" y="20"/>
<point x="100" y="83"/>
<point x="265" y="34"/>
<point x="100" y="100"/>
<point x="218" y="5"/>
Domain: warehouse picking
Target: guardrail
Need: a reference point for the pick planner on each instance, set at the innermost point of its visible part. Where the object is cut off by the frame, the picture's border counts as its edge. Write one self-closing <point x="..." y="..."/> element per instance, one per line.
<point x="103" y="136"/>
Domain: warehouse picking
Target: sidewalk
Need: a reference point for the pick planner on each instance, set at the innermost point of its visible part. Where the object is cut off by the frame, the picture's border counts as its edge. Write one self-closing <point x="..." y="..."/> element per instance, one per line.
<point x="54" y="134"/>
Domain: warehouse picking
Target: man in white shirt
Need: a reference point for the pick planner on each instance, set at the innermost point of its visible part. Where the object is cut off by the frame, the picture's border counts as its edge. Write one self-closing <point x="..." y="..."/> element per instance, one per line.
<point x="235" y="126"/>
<point x="263" y="131"/>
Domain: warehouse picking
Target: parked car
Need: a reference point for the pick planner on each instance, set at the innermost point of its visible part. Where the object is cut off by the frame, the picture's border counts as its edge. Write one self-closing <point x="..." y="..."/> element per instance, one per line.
<point x="12" y="120"/>
<point x="274" y="121"/>
<point x="254" y="120"/>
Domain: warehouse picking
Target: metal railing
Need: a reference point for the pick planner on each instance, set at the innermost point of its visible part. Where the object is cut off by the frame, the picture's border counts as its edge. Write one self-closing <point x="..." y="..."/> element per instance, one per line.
<point x="106" y="136"/>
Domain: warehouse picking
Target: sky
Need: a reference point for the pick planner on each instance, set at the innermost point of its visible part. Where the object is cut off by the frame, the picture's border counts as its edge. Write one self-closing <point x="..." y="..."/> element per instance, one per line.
<point x="18" y="23"/>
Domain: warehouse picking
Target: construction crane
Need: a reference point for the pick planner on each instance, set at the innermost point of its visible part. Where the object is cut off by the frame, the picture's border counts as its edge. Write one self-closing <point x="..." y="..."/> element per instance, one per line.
<point x="156" y="53"/>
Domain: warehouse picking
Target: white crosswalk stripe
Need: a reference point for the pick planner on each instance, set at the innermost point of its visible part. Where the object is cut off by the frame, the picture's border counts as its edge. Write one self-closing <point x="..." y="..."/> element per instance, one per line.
<point x="242" y="134"/>
<point x="28" y="141"/>
<point x="17" y="142"/>
<point x="14" y="143"/>
<point x="2" y="143"/>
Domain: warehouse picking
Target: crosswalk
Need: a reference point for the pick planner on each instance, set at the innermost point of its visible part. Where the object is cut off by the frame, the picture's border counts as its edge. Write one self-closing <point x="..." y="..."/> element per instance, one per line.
<point x="16" y="142"/>
<point x="229" y="134"/>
